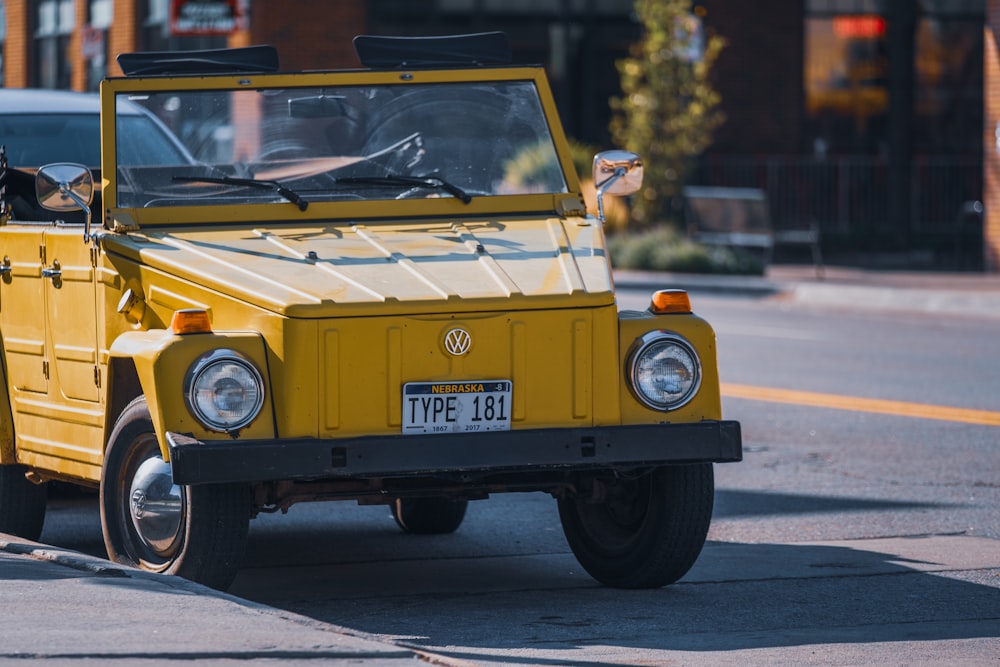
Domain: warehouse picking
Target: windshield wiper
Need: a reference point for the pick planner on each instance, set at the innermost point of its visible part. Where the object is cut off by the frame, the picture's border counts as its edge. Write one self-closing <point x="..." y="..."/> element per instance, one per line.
<point x="429" y="182"/>
<point x="290" y="195"/>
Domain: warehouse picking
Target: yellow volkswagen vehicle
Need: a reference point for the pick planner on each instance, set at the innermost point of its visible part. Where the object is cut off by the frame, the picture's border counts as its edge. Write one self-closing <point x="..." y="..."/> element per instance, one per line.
<point x="378" y="285"/>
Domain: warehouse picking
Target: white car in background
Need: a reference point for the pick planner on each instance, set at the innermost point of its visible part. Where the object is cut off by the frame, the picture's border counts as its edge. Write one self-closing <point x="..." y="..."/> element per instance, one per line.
<point x="40" y="127"/>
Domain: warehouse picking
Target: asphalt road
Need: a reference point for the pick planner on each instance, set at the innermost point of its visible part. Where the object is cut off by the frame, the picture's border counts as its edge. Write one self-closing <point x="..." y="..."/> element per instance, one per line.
<point x="853" y="532"/>
<point x="942" y="473"/>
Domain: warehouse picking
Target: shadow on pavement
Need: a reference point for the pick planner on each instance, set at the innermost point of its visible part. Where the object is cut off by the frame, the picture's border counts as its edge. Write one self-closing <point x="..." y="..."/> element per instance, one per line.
<point x="735" y="503"/>
<point x="787" y="595"/>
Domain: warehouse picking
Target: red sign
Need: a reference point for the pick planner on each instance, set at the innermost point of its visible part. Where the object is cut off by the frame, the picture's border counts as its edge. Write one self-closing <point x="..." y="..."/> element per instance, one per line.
<point x="862" y="26"/>
<point x="205" y="17"/>
<point x="91" y="42"/>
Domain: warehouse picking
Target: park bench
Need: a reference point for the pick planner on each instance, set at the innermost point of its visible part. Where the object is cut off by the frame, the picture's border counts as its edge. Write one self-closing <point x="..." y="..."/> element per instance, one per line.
<point x="741" y="218"/>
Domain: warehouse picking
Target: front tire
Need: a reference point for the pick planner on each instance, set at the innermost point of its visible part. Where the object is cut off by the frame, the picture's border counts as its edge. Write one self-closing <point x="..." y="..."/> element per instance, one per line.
<point x="22" y="503"/>
<point x="429" y="516"/>
<point x="645" y="532"/>
<point x="196" y="532"/>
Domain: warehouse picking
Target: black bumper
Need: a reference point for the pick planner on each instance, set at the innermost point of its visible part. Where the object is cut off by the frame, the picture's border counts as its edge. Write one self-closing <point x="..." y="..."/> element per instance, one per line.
<point x="196" y="462"/>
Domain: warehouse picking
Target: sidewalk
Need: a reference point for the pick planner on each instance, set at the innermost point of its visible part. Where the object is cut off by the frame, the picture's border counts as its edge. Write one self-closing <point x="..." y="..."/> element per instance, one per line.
<point x="60" y="607"/>
<point x="975" y="294"/>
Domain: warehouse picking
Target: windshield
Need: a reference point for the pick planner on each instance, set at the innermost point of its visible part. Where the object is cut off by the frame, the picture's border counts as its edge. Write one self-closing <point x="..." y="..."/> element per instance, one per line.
<point x="308" y="145"/>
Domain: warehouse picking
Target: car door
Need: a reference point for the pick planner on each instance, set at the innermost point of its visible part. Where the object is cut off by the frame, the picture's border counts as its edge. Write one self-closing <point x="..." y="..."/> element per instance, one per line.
<point x="49" y="326"/>
<point x="71" y="316"/>
<point x="22" y="312"/>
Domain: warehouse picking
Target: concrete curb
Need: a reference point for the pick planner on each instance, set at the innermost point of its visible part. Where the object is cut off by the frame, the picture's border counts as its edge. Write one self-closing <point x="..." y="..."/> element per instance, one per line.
<point x="937" y="294"/>
<point x="754" y="286"/>
<point x="215" y="623"/>
<point x="896" y="299"/>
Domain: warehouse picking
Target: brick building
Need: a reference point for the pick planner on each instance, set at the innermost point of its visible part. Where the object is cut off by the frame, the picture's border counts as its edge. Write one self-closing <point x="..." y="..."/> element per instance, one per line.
<point x="991" y="138"/>
<point x="867" y="116"/>
<point x="72" y="43"/>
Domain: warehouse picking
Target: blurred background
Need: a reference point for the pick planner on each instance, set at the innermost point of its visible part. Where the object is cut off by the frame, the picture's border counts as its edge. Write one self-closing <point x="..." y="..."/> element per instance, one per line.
<point x="874" y="120"/>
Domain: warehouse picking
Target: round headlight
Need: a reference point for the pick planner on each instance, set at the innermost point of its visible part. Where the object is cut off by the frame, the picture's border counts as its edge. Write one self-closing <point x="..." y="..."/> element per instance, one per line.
<point x="224" y="391"/>
<point x="664" y="370"/>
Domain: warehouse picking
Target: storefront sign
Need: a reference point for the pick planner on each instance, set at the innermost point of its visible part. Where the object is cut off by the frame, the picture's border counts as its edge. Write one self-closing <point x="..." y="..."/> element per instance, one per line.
<point x="205" y="17"/>
<point x="862" y="26"/>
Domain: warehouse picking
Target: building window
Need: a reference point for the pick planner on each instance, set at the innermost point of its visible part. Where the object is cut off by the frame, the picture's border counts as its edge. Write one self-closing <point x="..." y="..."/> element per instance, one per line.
<point x="156" y="25"/>
<point x="55" y="20"/>
<point x="846" y="84"/>
<point x="949" y="85"/>
<point x="847" y="74"/>
<point x="94" y="41"/>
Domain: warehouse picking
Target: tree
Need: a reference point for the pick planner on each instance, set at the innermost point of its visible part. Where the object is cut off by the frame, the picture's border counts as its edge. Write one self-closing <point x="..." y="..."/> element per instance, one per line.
<point x="668" y="109"/>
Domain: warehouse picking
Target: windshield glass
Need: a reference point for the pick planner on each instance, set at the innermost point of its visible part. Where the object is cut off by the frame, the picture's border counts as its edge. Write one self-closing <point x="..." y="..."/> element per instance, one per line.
<point x="310" y="145"/>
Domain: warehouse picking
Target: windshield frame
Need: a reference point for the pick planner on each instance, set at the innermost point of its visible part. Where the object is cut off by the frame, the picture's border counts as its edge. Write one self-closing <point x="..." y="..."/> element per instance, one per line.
<point x="341" y="209"/>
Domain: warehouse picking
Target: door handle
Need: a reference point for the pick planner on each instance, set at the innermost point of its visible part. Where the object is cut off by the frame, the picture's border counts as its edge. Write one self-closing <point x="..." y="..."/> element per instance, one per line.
<point x="54" y="271"/>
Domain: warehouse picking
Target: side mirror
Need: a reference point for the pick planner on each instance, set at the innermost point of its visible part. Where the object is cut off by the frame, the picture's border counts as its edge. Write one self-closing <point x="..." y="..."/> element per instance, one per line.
<point x="65" y="186"/>
<point x="616" y="173"/>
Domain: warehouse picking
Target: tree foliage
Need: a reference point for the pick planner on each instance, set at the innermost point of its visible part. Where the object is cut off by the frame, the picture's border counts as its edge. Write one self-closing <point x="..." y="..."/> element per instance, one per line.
<point x="668" y="107"/>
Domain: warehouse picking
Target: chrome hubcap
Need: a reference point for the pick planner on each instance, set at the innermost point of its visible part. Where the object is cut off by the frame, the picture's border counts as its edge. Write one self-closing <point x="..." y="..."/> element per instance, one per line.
<point x="155" y="505"/>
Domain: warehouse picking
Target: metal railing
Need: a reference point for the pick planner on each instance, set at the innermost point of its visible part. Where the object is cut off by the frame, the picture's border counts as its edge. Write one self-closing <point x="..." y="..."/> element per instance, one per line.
<point x="849" y="195"/>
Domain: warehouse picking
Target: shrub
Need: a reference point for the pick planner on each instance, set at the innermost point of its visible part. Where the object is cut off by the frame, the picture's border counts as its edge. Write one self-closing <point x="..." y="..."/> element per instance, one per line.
<point x="668" y="108"/>
<point x="664" y="249"/>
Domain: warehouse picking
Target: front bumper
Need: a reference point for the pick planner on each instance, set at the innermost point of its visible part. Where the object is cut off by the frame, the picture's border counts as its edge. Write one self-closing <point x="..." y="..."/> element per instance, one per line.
<point x="565" y="449"/>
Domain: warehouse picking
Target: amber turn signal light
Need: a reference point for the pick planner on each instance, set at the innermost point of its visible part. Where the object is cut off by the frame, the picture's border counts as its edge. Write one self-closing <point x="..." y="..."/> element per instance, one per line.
<point x="667" y="301"/>
<point x="190" y="320"/>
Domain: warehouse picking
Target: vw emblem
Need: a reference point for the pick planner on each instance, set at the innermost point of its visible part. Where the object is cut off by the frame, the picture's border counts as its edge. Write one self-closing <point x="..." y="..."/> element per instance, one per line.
<point x="457" y="342"/>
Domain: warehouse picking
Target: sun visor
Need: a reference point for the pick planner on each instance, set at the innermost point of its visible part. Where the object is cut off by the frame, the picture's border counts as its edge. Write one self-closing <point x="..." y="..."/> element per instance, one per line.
<point x="262" y="58"/>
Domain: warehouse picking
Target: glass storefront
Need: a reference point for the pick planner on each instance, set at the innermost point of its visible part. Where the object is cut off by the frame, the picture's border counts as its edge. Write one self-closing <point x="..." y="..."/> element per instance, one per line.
<point x="847" y="75"/>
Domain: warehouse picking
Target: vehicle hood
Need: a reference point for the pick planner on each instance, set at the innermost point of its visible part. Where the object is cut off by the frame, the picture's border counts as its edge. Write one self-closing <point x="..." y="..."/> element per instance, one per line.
<point x="336" y="270"/>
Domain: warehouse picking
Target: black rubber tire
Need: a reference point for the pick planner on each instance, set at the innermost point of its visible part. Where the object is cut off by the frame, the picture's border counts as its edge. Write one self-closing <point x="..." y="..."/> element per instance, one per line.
<point x="22" y="503"/>
<point x="648" y="532"/>
<point x="429" y="516"/>
<point x="214" y="518"/>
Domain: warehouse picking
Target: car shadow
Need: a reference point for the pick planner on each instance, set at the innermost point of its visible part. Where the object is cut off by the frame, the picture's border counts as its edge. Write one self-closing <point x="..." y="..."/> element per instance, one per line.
<point x="489" y="592"/>
<point x="499" y="587"/>
<point x="739" y="596"/>
<point x="732" y="504"/>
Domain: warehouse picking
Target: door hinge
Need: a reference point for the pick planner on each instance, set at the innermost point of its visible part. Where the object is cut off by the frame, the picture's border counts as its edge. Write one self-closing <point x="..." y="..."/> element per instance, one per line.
<point x="97" y="376"/>
<point x="94" y="255"/>
<point x="45" y="368"/>
<point x="41" y="253"/>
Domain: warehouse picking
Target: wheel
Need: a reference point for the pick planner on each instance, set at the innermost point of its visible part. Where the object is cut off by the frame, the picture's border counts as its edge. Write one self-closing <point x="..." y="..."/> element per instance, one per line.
<point x="429" y="516"/>
<point x="22" y="503"/>
<point x="196" y="532"/>
<point x="646" y="532"/>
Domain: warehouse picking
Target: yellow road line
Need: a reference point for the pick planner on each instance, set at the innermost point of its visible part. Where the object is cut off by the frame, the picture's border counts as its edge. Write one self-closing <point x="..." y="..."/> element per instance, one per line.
<point x="837" y="402"/>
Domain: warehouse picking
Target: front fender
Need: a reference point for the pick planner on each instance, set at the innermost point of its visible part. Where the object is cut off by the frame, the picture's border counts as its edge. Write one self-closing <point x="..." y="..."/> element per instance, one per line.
<point x="162" y="359"/>
<point x="707" y="403"/>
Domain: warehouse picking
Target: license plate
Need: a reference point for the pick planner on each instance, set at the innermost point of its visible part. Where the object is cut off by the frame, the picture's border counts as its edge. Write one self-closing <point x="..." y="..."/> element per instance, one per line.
<point x="456" y="407"/>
